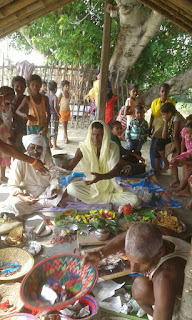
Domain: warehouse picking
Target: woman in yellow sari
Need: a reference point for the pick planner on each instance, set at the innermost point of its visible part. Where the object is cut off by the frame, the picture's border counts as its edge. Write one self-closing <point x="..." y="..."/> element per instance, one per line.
<point x="99" y="158"/>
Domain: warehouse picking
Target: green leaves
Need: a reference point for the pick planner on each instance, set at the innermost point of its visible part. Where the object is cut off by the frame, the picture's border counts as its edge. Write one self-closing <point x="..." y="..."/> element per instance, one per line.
<point x="168" y="54"/>
<point x="72" y="34"/>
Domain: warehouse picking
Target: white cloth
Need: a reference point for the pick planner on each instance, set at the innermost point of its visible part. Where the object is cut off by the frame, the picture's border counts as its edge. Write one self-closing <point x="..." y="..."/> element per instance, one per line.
<point x="104" y="191"/>
<point x="25" y="69"/>
<point x="24" y="179"/>
<point x="35" y="139"/>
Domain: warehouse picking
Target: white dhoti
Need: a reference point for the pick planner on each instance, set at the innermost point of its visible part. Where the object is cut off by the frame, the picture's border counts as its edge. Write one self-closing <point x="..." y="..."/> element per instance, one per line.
<point x="81" y="191"/>
<point x="21" y="208"/>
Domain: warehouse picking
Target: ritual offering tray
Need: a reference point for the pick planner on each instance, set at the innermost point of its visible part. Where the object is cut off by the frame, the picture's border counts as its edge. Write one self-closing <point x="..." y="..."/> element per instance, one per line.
<point x="15" y="263"/>
<point x="170" y="222"/>
<point x="56" y="282"/>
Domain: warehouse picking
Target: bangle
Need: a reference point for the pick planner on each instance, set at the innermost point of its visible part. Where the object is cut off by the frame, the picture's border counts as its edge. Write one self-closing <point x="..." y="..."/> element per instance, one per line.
<point x="34" y="162"/>
<point x="101" y="254"/>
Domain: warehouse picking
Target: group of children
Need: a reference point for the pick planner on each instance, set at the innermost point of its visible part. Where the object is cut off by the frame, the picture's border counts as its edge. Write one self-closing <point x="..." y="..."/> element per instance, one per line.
<point x="41" y="111"/>
<point x="36" y="113"/>
<point x="170" y="133"/>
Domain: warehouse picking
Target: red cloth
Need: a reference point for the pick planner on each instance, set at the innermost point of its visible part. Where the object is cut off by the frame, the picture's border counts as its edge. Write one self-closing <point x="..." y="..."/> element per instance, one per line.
<point x="109" y="109"/>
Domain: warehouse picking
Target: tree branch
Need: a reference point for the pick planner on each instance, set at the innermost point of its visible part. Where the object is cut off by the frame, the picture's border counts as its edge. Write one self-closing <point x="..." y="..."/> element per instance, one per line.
<point x="138" y="27"/>
<point x="32" y="45"/>
<point x="178" y="85"/>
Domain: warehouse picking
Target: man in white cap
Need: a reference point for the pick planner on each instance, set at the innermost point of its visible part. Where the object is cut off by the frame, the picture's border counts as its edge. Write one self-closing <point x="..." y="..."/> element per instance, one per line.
<point x="29" y="189"/>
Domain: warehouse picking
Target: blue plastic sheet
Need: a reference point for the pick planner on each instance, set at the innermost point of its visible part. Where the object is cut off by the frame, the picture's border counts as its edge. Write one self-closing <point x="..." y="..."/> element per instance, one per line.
<point x="147" y="187"/>
<point x="64" y="181"/>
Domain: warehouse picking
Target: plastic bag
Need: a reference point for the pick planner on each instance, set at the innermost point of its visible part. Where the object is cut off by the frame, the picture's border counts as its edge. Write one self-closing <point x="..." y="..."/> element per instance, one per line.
<point x="64" y="181"/>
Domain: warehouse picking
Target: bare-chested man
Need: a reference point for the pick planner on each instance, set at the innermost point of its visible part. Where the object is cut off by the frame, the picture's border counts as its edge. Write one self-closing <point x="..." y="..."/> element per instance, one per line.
<point x="162" y="258"/>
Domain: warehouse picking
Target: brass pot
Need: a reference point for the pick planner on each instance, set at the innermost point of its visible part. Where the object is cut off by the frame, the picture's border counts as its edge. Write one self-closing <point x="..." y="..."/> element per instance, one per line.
<point x="102" y="234"/>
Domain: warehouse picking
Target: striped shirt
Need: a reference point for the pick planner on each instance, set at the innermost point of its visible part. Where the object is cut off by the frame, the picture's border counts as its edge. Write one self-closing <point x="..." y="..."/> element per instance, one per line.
<point x="137" y="130"/>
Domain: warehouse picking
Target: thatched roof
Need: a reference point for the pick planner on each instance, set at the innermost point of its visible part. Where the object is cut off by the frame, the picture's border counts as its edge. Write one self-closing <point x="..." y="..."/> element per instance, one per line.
<point x="177" y="11"/>
<point x="16" y="13"/>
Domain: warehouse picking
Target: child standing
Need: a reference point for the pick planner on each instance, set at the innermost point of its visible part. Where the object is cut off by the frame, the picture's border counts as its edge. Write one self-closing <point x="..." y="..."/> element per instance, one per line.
<point x="137" y="131"/>
<point x="38" y="116"/>
<point x="19" y="123"/>
<point x="156" y="122"/>
<point x="43" y="89"/>
<point x="54" y="111"/>
<point x="109" y="106"/>
<point x="64" y="100"/>
<point x="6" y="96"/>
<point x="135" y="98"/>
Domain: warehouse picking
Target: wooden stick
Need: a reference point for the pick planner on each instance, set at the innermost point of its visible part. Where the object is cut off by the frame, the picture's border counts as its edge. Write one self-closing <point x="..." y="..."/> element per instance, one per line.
<point x="176" y="21"/>
<point x="16" y="6"/>
<point x="104" y="64"/>
<point x="32" y="9"/>
<point x="181" y="11"/>
<point x="173" y="12"/>
<point x="31" y="17"/>
<point x="184" y="4"/>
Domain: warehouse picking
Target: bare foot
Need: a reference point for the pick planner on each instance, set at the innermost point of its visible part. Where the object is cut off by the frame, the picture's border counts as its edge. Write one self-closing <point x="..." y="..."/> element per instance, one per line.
<point x="182" y="193"/>
<point x="56" y="148"/>
<point x="157" y="173"/>
<point x="4" y="179"/>
<point x="189" y="205"/>
<point x="65" y="140"/>
<point x="165" y="168"/>
<point x="174" y="183"/>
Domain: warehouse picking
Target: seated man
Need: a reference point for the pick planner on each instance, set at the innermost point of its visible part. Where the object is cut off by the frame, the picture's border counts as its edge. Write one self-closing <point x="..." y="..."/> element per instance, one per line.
<point x="29" y="189"/>
<point x="163" y="260"/>
<point x="99" y="158"/>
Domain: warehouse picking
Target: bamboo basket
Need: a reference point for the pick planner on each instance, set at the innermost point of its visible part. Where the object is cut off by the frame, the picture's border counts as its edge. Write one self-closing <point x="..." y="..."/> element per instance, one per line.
<point x="24" y="258"/>
<point x="11" y="292"/>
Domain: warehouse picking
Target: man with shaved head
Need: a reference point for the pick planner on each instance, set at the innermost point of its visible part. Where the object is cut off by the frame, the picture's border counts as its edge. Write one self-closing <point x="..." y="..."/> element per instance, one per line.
<point x="161" y="258"/>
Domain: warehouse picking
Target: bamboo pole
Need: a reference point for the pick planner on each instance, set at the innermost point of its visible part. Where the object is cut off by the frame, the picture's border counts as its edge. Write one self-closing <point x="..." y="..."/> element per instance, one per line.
<point x="31" y="17"/>
<point x="15" y="6"/>
<point x="4" y="3"/>
<point x="23" y="13"/>
<point x="184" y="4"/>
<point x="180" y="10"/>
<point x="176" y="21"/>
<point x="186" y="305"/>
<point x="173" y="12"/>
<point x="104" y="64"/>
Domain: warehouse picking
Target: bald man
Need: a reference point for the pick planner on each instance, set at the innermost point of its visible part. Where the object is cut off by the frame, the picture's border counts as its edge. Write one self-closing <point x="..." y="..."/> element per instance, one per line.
<point x="161" y="258"/>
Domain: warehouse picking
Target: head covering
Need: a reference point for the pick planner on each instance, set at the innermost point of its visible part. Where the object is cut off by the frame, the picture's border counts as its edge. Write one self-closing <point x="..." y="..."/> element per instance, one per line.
<point x="35" y="139"/>
<point x="91" y="163"/>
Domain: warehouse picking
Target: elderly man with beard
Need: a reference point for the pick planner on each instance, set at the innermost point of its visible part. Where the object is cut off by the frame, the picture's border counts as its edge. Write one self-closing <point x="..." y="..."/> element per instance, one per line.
<point x="29" y="189"/>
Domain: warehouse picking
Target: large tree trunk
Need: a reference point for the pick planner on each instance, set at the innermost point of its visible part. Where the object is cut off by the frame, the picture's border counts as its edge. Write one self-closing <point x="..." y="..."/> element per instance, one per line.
<point x="178" y="84"/>
<point x="138" y="25"/>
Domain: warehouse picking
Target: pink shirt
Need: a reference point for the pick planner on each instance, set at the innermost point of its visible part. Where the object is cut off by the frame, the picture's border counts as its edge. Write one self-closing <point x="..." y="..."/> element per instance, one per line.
<point x="188" y="144"/>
